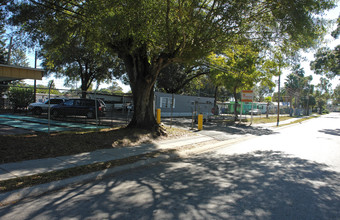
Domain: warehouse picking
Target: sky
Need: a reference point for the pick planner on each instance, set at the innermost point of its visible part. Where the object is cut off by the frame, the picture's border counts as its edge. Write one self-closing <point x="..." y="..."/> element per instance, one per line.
<point x="329" y="42"/>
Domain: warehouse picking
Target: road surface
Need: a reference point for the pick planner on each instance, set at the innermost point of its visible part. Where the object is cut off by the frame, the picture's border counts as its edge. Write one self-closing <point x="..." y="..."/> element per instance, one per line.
<point x="291" y="173"/>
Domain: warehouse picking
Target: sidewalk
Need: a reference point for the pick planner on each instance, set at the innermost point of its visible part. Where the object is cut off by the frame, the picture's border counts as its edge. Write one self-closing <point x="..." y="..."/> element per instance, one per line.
<point x="180" y="147"/>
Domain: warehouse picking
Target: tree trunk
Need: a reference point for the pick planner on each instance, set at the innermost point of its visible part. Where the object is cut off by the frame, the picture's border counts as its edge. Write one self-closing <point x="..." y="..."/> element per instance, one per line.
<point x="83" y="91"/>
<point x="143" y="99"/>
<point x="216" y="110"/>
<point x="142" y="76"/>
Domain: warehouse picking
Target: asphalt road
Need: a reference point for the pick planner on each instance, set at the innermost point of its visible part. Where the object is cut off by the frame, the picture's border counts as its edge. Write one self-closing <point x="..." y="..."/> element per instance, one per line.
<point x="290" y="173"/>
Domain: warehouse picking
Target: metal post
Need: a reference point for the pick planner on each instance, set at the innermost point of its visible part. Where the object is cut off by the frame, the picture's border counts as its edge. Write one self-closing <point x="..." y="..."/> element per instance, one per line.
<point x="308" y="102"/>
<point x="172" y="109"/>
<point x="278" y="101"/>
<point x="49" y="107"/>
<point x="35" y="81"/>
<point x="96" y="106"/>
<point x="251" y="122"/>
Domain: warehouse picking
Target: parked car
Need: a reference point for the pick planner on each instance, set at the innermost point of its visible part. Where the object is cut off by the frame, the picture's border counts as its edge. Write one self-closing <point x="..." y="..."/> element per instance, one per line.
<point x="39" y="107"/>
<point x="81" y="107"/>
<point x="255" y="112"/>
<point x="118" y="106"/>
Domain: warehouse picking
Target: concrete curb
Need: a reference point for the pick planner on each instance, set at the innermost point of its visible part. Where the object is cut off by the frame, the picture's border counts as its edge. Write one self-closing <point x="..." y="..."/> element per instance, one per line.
<point x="34" y="191"/>
<point x="38" y="190"/>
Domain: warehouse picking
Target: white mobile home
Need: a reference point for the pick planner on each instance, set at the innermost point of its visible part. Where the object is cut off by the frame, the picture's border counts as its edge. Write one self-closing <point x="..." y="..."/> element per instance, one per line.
<point x="183" y="105"/>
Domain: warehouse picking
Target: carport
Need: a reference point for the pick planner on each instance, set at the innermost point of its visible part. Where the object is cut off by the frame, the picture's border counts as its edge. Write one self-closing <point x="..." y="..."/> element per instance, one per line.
<point x="11" y="73"/>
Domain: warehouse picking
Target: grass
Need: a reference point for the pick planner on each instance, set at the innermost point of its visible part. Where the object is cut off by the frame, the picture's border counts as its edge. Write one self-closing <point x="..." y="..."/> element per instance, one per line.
<point x="300" y="120"/>
<point x="257" y="120"/>
<point x="270" y="119"/>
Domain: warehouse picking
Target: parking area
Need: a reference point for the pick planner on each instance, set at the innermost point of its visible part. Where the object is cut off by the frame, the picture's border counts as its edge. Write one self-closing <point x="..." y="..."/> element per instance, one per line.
<point x="20" y="124"/>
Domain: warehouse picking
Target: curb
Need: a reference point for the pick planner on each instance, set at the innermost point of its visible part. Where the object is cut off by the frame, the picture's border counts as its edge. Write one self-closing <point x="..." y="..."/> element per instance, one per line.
<point x="34" y="191"/>
<point x="14" y="196"/>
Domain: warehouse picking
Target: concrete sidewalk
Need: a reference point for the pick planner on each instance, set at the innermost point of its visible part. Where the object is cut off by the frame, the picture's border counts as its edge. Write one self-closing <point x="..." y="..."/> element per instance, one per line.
<point x="33" y="167"/>
<point x="181" y="147"/>
<point x="198" y="143"/>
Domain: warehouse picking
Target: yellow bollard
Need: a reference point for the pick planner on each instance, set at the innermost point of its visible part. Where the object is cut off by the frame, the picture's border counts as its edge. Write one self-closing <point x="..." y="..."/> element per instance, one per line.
<point x="158" y="115"/>
<point x="200" y="122"/>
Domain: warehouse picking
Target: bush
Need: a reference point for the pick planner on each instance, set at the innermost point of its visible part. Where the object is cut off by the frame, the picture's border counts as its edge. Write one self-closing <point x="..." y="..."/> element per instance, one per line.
<point x="20" y="97"/>
<point x="325" y="111"/>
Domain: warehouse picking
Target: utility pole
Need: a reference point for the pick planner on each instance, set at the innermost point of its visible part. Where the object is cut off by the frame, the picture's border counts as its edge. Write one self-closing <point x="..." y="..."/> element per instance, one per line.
<point x="35" y="81"/>
<point x="278" y="101"/>
<point x="308" y="100"/>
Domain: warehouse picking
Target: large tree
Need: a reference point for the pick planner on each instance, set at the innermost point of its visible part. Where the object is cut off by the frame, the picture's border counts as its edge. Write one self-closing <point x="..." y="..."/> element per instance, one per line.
<point x="322" y="94"/>
<point x="297" y="87"/>
<point x="150" y="35"/>
<point x="239" y="68"/>
<point x="327" y="60"/>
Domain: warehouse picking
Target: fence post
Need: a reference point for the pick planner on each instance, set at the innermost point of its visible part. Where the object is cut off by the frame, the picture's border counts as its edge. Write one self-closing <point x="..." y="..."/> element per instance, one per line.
<point x="49" y="106"/>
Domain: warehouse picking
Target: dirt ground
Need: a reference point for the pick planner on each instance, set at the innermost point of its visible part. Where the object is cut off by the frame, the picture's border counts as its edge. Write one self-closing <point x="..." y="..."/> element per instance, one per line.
<point x="30" y="146"/>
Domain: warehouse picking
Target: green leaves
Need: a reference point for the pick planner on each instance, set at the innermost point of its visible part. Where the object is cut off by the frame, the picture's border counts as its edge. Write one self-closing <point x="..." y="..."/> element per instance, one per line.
<point x="20" y="97"/>
<point x="239" y="67"/>
<point x="327" y="62"/>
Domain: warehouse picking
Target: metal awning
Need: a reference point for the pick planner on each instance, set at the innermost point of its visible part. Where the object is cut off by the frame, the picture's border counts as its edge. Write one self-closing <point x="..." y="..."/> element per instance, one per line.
<point x="10" y="73"/>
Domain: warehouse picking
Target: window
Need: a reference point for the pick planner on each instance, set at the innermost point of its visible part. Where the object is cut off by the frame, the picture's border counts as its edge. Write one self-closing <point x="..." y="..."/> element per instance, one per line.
<point x="165" y="102"/>
<point x="69" y="103"/>
<point x="56" y="101"/>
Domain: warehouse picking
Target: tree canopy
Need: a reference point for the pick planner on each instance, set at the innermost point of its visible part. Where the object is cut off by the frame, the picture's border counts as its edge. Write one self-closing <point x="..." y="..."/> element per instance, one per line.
<point x="327" y="62"/>
<point x="149" y="35"/>
<point x="239" y="68"/>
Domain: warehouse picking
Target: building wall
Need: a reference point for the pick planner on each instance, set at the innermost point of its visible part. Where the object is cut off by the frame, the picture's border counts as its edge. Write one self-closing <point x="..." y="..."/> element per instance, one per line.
<point x="183" y="105"/>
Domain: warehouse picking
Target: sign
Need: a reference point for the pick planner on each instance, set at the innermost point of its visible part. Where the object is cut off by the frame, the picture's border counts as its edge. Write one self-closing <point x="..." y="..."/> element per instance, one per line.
<point x="247" y="96"/>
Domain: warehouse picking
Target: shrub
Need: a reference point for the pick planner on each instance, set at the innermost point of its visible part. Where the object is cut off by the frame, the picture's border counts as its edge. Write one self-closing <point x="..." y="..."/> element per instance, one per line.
<point x="325" y="111"/>
<point x="20" y="97"/>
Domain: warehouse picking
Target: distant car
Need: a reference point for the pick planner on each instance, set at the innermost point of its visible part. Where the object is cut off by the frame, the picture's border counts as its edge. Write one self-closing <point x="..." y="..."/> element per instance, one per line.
<point x="255" y="112"/>
<point x="39" y="107"/>
<point x="118" y="106"/>
<point x="130" y="108"/>
<point x="81" y="107"/>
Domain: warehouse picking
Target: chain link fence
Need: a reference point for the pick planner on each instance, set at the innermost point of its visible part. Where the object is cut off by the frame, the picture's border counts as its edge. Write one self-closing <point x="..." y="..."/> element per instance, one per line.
<point x="63" y="108"/>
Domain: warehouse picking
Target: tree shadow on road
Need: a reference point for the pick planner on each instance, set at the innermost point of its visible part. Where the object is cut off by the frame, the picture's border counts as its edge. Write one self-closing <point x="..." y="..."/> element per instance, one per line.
<point x="335" y="132"/>
<point x="257" y="185"/>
